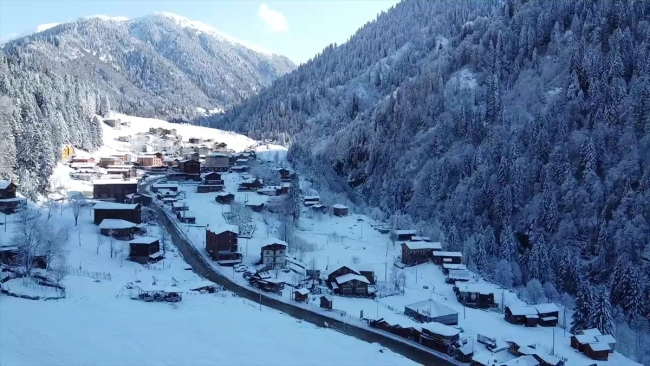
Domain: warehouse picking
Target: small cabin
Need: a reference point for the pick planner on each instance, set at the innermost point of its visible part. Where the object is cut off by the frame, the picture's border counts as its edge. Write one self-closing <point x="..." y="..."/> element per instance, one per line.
<point x="440" y="257"/>
<point x="416" y="252"/>
<point x="213" y="178"/>
<point x="403" y="235"/>
<point x="475" y="295"/>
<point x="431" y="311"/>
<point x="145" y="249"/>
<point x="521" y="314"/>
<point x="311" y="200"/>
<point x="300" y="294"/>
<point x="597" y="351"/>
<point x="339" y="210"/>
<point x="139" y="198"/>
<point x="117" y="228"/>
<point x="111" y="210"/>
<point x="548" y="314"/>
<point x="326" y="302"/>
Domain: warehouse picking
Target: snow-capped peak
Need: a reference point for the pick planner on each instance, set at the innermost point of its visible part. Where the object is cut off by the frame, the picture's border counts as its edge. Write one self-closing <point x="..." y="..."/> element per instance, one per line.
<point x="44" y="27"/>
<point x="201" y="27"/>
<point x="107" y="18"/>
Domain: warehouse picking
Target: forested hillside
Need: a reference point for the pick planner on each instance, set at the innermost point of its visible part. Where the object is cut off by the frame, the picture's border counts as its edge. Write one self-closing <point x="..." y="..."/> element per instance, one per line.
<point x="520" y="128"/>
<point x="39" y="112"/>
<point x="161" y="65"/>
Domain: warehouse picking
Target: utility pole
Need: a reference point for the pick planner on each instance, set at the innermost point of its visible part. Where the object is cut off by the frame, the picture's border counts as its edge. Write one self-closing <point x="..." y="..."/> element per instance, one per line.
<point x="260" y="299"/>
<point x="553" y="349"/>
<point x="386" y="271"/>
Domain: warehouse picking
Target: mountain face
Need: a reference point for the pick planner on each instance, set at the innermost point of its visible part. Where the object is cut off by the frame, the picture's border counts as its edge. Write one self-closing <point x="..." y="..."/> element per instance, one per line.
<point x="520" y="128"/>
<point x="159" y="65"/>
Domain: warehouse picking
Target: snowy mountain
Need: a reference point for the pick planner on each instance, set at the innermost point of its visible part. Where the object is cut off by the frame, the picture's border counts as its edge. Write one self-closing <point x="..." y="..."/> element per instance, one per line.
<point x="516" y="131"/>
<point x="157" y="65"/>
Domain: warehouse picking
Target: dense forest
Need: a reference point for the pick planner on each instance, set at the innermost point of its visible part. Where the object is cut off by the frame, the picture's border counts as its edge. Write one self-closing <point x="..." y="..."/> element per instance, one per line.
<point x="39" y="112"/>
<point x="516" y="131"/>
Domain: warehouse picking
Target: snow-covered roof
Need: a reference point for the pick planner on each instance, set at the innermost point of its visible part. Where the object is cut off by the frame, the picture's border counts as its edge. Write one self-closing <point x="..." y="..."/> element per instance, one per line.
<point x="179" y="204"/>
<point x="607" y="338"/>
<point x="116" y="224"/>
<point x="591" y="332"/>
<point x="447" y="254"/>
<point x="115" y="206"/>
<point x="600" y="346"/>
<point x="224" y="194"/>
<point x="460" y="274"/>
<point x="419" y="245"/>
<point x="351" y="276"/>
<point x="242" y="160"/>
<point x="441" y="329"/>
<point x="481" y="288"/>
<point x="226" y="227"/>
<point x="546" y="308"/>
<point x="302" y="291"/>
<point x="339" y="206"/>
<point x="4" y="184"/>
<point x="311" y="198"/>
<point x="157" y="254"/>
<point x="431" y="308"/>
<point x="109" y="176"/>
<point x="271" y="241"/>
<point x="526" y="360"/>
<point x="328" y="297"/>
<point x="336" y="268"/>
<point x="451" y="266"/>
<point x="405" y="232"/>
<point x="144" y="240"/>
<point x="219" y="155"/>
<point x="420" y="238"/>
<point x="585" y="338"/>
<point x="522" y="310"/>
<point x="165" y="185"/>
<point x="549" y="359"/>
<point x="201" y="284"/>
<point x="114" y="181"/>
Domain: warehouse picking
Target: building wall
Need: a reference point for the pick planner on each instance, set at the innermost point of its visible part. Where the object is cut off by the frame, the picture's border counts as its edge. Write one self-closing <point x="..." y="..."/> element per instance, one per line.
<point x="134" y="216"/>
<point x="10" y="192"/>
<point x="114" y="191"/>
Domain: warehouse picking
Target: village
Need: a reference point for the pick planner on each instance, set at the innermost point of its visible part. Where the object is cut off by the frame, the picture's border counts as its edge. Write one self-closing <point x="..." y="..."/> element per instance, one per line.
<point x="229" y="202"/>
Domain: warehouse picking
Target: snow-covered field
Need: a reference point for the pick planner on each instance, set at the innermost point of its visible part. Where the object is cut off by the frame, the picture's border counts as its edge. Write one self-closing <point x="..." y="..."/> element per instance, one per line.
<point x="99" y="324"/>
<point x="344" y="240"/>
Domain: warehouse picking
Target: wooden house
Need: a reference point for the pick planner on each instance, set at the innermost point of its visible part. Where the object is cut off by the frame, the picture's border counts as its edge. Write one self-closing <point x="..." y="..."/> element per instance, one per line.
<point x="579" y="341"/>
<point x="190" y="167"/>
<point x="347" y="281"/>
<point x="252" y="184"/>
<point x="105" y="161"/>
<point x="597" y="351"/>
<point x="403" y="235"/>
<point x="464" y="353"/>
<point x="322" y="209"/>
<point x="111" y="210"/>
<point x="264" y="280"/>
<point x="339" y="210"/>
<point x="431" y="311"/>
<point x="194" y="140"/>
<point x="7" y="189"/>
<point x="83" y="159"/>
<point x="273" y="253"/>
<point x="326" y="302"/>
<point x="438" y="336"/>
<point x="239" y="169"/>
<point x="285" y="174"/>
<point x="414" y="253"/>
<point x="521" y="314"/>
<point x="128" y="171"/>
<point x="300" y="294"/>
<point x="164" y="186"/>
<point x="446" y="267"/>
<point x="9" y="203"/>
<point x="222" y="245"/>
<point x="114" y="189"/>
<point x="270" y="191"/>
<point x="113" y="122"/>
<point x="213" y="178"/>
<point x="117" y="228"/>
<point x="609" y="339"/>
<point x="139" y="198"/>
<point x="440" y="257"/>
<point x="224" y="198"/>
<point x="145" y="249"/>
<point x="186" y="217"/>
<point x="548" y="314"/>
<point x="458" y="275"/>
<point x="218" y="162"/>
<point x="179" y="206"/>
<point x="475" y="295"/>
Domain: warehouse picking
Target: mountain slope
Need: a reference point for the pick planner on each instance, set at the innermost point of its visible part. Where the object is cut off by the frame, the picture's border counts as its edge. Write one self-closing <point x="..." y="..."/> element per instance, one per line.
<point x="158" y="65"/>
<point x="521" y="127"/>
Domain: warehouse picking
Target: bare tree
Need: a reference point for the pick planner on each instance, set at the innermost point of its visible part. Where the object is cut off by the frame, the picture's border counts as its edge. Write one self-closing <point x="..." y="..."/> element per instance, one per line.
<point x="54" y="241"/>
<point x="355" y="259"/>
<point x="100" y="241"/>
<point x="77" y="202"/>
<point x="28" y="237"/>
<point x="59" y="267"/>
<point x="111" y="242"/>
<point x="50" y="205"/>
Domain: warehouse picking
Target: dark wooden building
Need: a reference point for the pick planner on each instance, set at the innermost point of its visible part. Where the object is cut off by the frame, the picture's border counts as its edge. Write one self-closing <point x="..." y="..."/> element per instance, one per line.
<point x="475" y="295"/>
<point x="403" y="235"/>
<point x="340" y="210"/>
<point x="145" y="249"/>
<point x="114" y="189"/>
<point x="9" y="203"/>
<point x="224" y="198"/>
<point x="250" y="185"/>
<point x="440" y="257"/>
<point x="597" y="351"/>
<point x="548" y="314"/>
<point x="213" y="178"/>
<point x="7" y="189"/>
<point x="431" y="311"/>
<point x="222" y="245"/>
<point x="416" y="252"/>
<point x="347" y="281"/>
<point x="191" y="167"/>
<point x="301" y="294"/>
<point x="164" y="186"/>
<point x="326" y="302"/>
<point x="111" y="210"/>
<point x="117" y="228"/>
<point x="285" y="174"/>
<point x="139" y="198"/>
<point x="521" y="314"/>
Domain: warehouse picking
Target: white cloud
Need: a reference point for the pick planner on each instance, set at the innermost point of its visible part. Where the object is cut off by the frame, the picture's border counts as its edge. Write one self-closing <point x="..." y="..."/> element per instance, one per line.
<point x="273" y="19"/>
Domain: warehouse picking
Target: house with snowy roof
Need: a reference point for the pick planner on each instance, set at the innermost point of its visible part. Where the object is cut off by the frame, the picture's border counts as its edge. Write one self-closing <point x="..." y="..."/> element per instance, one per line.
<point x="222" y="245"/>
<point x="145" y="249"/>
<point x="345" y="280"/>
<point x="131" y="212"/>
<point x="273" y="253"/>
<point x="117" y="228"/>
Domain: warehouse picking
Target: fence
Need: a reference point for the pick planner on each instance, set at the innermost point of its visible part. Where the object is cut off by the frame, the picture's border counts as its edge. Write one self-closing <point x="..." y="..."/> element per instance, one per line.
<point x="74" y="271"/>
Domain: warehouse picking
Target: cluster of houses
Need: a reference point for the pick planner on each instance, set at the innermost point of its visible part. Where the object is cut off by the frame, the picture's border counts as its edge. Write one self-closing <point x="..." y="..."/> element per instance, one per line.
<point x="593" y="344"/>
<point x="509" y="353"/>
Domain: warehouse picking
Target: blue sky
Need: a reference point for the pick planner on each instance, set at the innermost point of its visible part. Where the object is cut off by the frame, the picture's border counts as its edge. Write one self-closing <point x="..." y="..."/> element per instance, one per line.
<point x="297" y="29"/>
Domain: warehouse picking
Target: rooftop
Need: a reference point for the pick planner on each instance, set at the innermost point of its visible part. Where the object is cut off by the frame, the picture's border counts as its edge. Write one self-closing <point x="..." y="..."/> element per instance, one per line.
<point x="4" y="184"/>
<point x="441" y="329"/>
<point x="405" y="232"/>
<point x="302" y="291"/>
<point x="224" y="228"/>
<point x="447" y="254"/>
<point x="113" y="181"/>
<point x="600" y="346"/>
<point x="431" y="308"/>
<point x="419" y="245"/>
<point x="144" y="240"/>
<point x="546" y="308"/>
<point x="339" y="206"/>
<point x="115" y="206"/>
<point x="271" y="241"/>
<point x="521" y="310"/>
<point x="351" y="276"/>
<point x="116" y="224"/>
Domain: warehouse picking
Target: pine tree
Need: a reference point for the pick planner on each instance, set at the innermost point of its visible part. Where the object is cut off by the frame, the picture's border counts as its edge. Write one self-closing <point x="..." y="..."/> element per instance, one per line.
<point x="480" y="257"/>
<point x="294" y="199"/>
<point x="583" y="308"/>
<point x="601" y="315"/>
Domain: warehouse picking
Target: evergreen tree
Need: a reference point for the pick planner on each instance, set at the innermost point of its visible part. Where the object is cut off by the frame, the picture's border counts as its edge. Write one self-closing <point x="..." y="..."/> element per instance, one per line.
<point x="601" y="315"/>
<point x="582" y="313"/>
<point x="294" y="200"/>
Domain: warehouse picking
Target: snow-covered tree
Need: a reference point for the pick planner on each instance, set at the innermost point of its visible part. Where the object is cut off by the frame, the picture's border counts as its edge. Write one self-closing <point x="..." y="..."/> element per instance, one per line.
<point x="601" y="315"/>
<point x="584" y="303"/>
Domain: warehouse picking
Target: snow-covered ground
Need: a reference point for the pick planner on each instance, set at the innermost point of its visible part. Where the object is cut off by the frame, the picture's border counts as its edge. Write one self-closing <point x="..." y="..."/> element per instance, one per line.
<point x="343" y="240"/>
<point x="99" y="324"/>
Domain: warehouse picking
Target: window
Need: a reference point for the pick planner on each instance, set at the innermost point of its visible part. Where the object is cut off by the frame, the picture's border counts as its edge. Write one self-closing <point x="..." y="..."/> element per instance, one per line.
<point x="280" y="252"/>
<point x="268" y="252"/>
